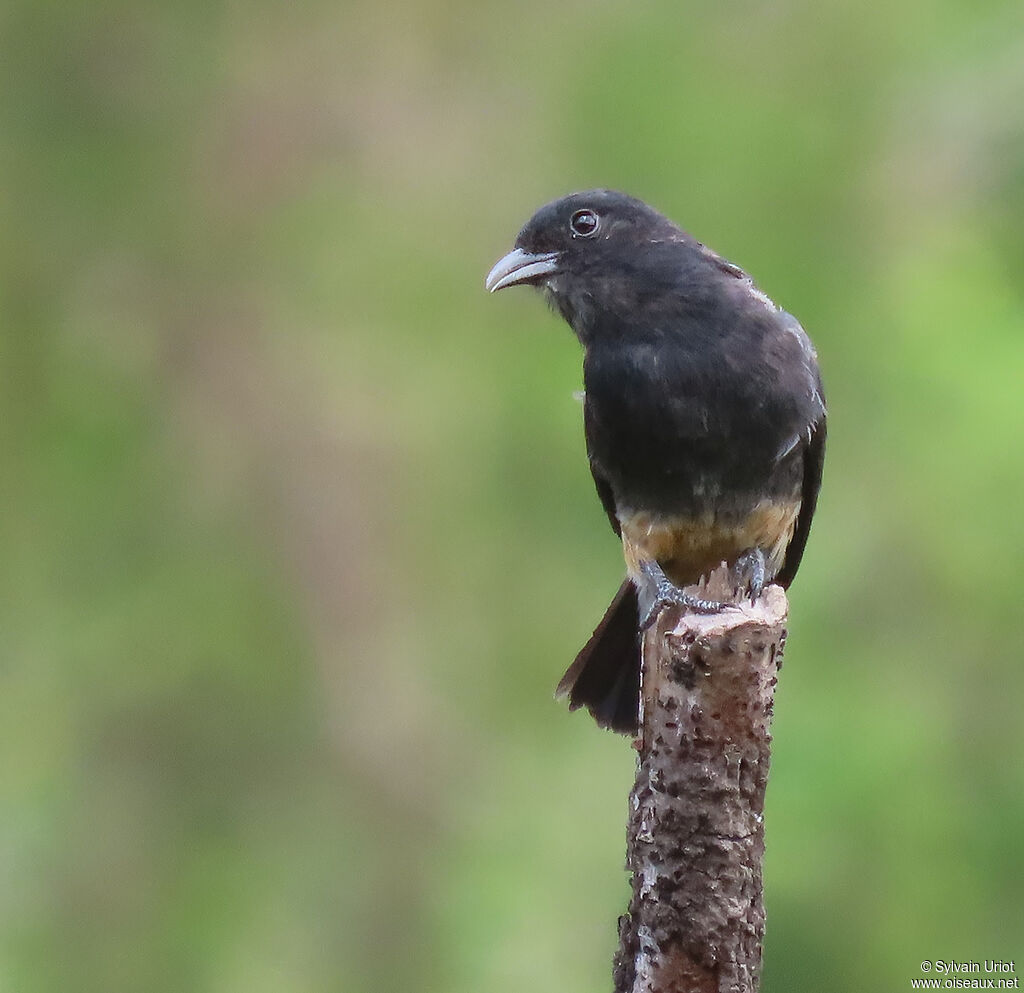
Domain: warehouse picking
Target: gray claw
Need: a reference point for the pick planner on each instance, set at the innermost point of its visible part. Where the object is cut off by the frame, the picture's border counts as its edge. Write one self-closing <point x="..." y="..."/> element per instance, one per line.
<point x="750" y="568"/>
<point x="667" y="594"/>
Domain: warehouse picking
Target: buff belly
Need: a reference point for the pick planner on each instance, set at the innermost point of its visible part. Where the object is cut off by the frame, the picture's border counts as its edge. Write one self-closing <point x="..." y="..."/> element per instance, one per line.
<point x="687" y="548"/>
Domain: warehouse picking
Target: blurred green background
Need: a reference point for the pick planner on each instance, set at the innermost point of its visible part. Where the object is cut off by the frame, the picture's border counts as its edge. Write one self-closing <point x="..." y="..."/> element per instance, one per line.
<point x="297" y="526"/>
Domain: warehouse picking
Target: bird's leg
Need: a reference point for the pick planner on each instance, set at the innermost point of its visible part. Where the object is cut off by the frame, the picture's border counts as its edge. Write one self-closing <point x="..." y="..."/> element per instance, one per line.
<point x="749" y="571"/>
<point x="662" y="592"/>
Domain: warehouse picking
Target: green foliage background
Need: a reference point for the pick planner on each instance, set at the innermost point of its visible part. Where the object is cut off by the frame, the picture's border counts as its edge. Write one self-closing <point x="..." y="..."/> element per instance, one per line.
<point x="297" y="527"/>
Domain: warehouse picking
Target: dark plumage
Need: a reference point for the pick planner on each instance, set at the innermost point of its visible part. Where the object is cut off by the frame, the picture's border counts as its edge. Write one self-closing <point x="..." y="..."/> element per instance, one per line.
<point x="703" y="412"/>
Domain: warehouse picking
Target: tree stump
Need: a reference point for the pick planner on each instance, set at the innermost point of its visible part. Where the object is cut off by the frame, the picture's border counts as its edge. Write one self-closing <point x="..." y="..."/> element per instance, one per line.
<point x="696" y="826"/>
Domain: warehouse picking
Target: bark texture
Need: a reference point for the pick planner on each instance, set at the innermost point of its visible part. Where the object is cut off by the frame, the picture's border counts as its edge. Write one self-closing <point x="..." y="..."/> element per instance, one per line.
<point x="696" y="828"/>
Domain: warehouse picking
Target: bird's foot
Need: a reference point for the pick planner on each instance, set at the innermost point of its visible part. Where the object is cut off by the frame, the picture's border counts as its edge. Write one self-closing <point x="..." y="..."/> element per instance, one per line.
<point x="749" y="573"/>
<point x="667" y="594"/>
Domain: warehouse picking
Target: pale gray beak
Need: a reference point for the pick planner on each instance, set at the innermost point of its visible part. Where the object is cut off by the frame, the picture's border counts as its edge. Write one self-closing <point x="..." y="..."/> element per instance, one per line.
<point x="520" y="267"/>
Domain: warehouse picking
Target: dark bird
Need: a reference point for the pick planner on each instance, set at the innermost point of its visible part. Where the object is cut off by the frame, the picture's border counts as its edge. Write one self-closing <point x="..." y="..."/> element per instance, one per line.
<point x="703" y="413"/>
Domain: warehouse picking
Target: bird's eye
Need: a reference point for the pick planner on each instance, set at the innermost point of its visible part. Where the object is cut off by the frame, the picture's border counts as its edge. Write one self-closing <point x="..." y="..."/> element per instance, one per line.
<point x="583" y="223"/>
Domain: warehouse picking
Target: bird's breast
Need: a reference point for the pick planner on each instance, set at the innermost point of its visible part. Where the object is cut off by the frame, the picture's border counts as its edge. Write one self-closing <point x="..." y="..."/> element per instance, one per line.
<point x="680" y="425"/>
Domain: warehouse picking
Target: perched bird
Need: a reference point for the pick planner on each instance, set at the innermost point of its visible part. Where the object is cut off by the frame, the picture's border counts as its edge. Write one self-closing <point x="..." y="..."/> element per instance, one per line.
<point x="703" y="413"/>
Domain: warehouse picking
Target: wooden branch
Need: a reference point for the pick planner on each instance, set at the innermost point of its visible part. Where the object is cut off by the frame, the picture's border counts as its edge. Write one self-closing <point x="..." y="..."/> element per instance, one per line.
<point x="696" y="828"/>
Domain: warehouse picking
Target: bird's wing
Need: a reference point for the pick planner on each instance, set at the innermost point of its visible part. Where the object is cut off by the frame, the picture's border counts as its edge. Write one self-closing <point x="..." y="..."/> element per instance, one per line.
<point x="604" y="491"/>
<point x="814" y="458"/>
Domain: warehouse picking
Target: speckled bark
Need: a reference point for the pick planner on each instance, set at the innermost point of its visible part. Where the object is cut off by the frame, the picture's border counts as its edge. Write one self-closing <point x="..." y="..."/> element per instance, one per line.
<point x="696" y="829"/>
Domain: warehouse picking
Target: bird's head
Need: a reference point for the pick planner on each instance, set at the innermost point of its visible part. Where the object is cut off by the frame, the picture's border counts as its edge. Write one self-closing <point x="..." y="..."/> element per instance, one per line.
<point x="598" y="252"/>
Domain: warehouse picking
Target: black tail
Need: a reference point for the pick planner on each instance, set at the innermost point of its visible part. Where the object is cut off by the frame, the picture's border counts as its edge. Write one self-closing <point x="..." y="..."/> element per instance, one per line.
<point x="605" y="678"/>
